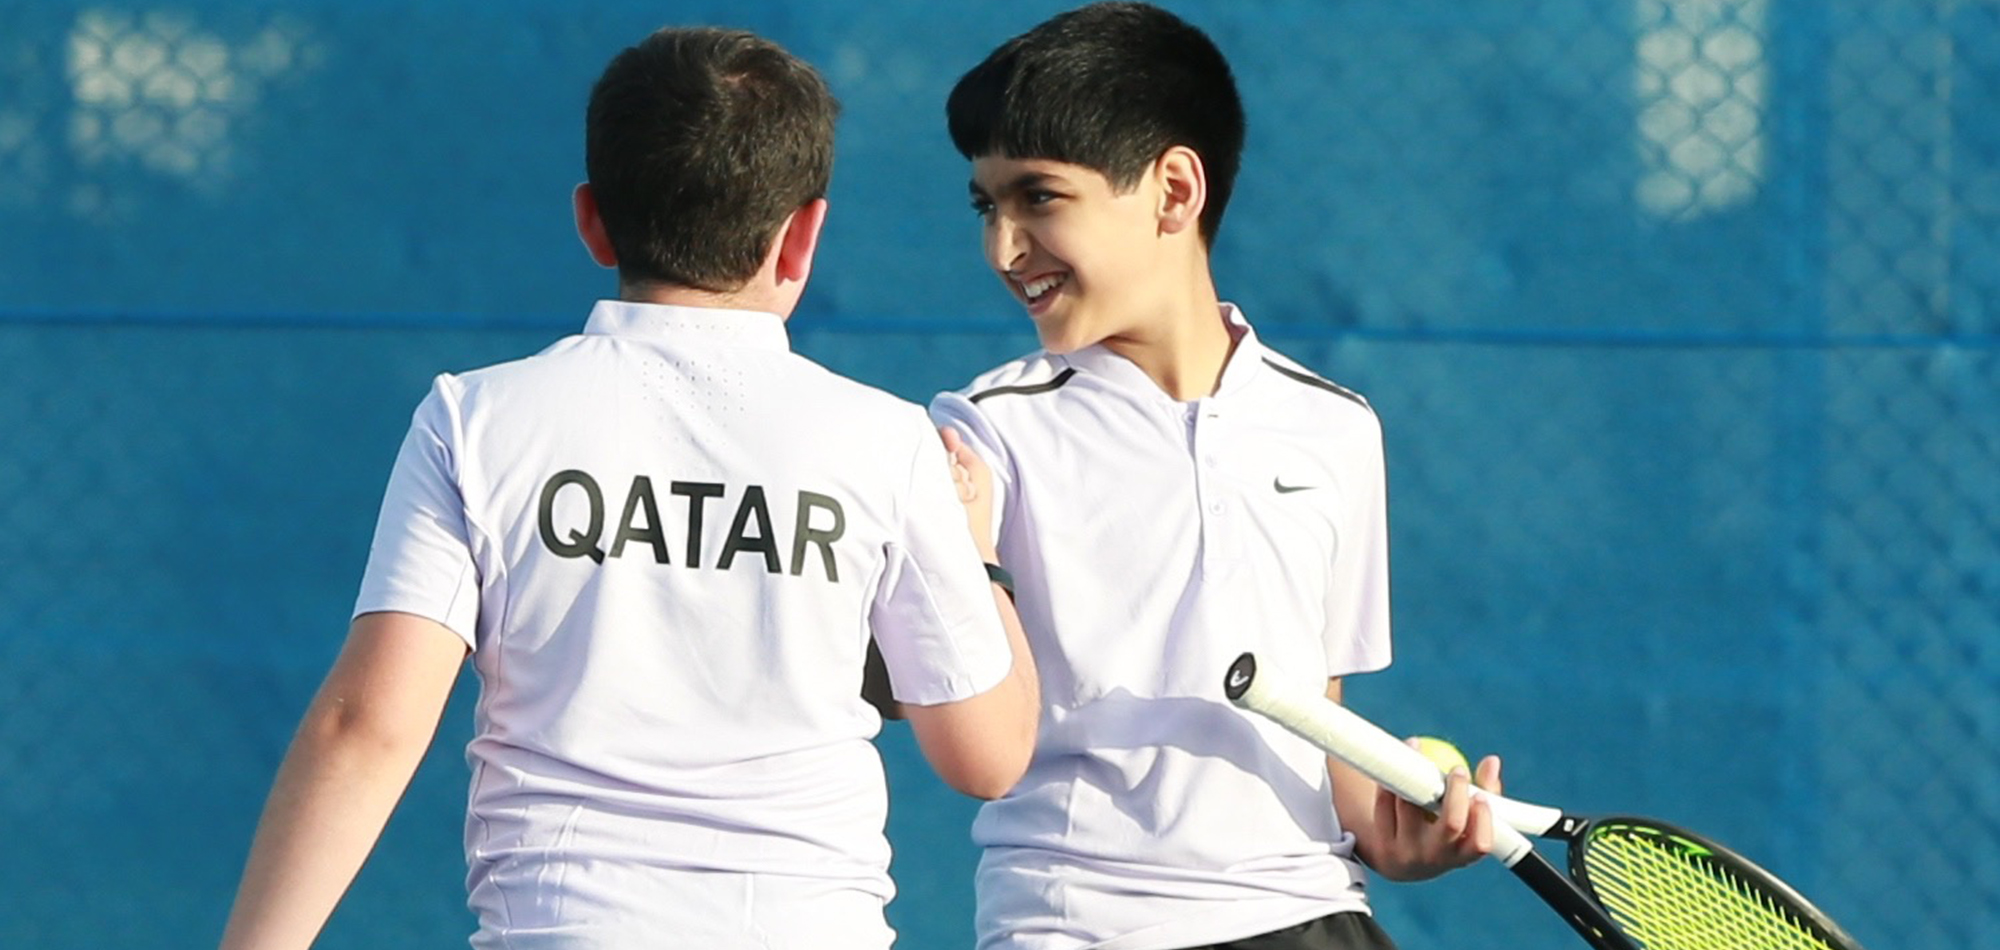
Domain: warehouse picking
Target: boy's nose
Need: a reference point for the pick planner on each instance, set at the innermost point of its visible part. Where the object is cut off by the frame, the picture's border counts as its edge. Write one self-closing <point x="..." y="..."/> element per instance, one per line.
<point x="1006" y="246"/>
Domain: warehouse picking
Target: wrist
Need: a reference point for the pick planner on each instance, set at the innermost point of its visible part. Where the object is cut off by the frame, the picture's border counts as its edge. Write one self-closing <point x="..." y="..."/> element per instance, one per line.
<point x="1000" y="576"/>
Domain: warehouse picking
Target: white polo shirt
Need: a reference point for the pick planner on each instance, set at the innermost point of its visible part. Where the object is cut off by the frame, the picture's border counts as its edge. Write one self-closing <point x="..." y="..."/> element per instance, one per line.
<point x="1152" y="541"/>
<point x="667" y="541"/>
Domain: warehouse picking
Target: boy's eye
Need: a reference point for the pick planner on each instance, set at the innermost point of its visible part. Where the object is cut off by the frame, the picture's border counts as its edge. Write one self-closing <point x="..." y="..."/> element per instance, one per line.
<point x="982" y="207"/>
<point x="1036" y="196"/>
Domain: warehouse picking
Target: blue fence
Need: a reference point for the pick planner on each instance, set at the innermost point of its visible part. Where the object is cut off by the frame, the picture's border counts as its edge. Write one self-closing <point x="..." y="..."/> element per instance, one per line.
<point x="1683" y="318"/>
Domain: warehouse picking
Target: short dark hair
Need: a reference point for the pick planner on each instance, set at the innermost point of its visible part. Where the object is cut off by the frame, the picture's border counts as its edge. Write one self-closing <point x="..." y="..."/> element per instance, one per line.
<point x="1109" y="86"/>
<point x="698" y="143"/>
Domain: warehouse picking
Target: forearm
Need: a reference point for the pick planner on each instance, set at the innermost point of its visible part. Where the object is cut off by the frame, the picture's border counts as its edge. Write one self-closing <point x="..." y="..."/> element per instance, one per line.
<point x="1353" y="793"/>
<point x="1354" y="802"/>
<point x="1023" y="679"/>
<point x="1026" y="679"/>
<point x="981" y="745"/>
<point x="328" y="805"/>
<point x="356" y="748"/>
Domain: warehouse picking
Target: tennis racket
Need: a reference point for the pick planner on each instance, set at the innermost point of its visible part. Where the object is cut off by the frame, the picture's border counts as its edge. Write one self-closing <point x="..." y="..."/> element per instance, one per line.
<point x="1633" y="883"/>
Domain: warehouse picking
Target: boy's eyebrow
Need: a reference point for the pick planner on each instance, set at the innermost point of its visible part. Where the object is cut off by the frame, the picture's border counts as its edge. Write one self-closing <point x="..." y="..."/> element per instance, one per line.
<point x="1021" y="182"/>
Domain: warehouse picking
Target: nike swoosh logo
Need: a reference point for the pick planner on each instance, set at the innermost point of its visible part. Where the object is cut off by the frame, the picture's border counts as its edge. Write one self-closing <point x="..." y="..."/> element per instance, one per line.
<point x="1284" y="489"/>
<point x="1237" y="678"/>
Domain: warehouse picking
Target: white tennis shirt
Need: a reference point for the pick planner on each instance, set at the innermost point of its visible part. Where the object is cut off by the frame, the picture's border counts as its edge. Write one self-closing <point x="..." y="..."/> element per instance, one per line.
<point x="1152" y="541"/>
<point x="667" y="541"/>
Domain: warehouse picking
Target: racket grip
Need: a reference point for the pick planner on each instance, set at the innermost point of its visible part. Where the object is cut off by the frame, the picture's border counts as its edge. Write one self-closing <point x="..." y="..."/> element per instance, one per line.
<point x="1339" y="732"/>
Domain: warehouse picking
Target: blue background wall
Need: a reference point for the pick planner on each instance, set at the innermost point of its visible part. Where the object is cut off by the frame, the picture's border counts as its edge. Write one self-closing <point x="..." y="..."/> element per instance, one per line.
<point x="1683" y="318"/>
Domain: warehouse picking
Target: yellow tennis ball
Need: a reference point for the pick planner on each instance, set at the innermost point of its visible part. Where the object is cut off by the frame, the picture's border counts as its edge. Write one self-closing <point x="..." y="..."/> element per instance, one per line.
<point x="1442" y="754"/>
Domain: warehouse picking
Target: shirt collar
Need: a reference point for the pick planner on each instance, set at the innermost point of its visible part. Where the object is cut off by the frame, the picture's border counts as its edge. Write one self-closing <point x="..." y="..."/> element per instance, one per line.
<point x="625" y="318"/>
<point x="1244" y="364"/>
<point x="1247" y="362"/>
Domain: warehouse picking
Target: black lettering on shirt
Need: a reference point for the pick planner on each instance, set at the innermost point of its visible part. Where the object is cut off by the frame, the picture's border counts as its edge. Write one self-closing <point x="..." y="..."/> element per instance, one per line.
<point x="819" y="523"/>
<point x="804" y="533"/>
<point x="641" y="497"/>
<point x="698" y="494"/>
<point x="752" y="507"/>
<point x="580" y="543"/>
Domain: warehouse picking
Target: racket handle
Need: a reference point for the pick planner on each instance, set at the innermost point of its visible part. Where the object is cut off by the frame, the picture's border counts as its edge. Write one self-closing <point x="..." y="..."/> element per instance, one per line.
<point x="1341" y="733"/>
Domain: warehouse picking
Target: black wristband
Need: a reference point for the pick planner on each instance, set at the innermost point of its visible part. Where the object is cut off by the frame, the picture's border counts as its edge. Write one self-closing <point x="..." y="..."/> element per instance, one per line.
<point x="999" y="575"/>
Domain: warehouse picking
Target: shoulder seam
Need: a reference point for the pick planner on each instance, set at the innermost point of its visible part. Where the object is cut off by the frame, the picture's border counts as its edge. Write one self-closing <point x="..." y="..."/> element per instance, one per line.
<point x="1028" y="390"/>
<point x="1318" y="383"/>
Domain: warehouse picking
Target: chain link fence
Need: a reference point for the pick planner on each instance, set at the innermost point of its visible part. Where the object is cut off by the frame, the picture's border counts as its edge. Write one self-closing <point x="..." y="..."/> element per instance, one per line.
<point x="1683" y="318"/>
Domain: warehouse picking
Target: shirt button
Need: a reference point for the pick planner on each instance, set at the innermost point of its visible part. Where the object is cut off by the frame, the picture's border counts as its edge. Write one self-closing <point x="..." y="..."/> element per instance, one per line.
<point x="1215" y="507"/>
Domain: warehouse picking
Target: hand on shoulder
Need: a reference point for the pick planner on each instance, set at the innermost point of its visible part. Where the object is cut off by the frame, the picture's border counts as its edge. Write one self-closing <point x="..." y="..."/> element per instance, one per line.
<point x="974" y="482"/>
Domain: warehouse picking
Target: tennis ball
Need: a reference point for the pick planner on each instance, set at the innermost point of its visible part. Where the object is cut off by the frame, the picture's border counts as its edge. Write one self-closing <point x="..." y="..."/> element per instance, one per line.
<point x="1442" y="754"/>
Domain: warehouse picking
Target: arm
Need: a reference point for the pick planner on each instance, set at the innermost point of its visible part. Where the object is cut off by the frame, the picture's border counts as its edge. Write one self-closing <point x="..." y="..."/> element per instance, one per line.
<point x="975" y="494"/>
<point x="1401" y="841"/>
<point x="354" y="754"/>
<point x="981" y="745"/>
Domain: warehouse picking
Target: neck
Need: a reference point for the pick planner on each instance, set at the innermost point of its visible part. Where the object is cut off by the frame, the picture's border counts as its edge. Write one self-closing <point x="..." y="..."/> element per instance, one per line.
<point x="744" y="298"/>
<point x="1184" y="349"/>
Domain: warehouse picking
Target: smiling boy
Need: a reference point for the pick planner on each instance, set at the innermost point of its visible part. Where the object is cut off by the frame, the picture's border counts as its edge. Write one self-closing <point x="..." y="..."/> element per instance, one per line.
<point x="1169" y="493"/>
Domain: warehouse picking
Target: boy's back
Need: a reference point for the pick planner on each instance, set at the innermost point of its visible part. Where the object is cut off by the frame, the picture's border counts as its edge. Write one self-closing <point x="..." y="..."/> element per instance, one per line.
<point x="671" y="668"/>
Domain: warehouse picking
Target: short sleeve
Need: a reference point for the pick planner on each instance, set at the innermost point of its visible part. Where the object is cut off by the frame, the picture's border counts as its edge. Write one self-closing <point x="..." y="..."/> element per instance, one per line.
<point x="933" y="615"/>
<point x="421" y="561"/>
<point x="1357" y="608"/>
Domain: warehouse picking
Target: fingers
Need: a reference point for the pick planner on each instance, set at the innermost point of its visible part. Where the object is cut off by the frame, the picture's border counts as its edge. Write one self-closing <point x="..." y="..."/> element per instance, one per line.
<point x="1467" y="820"/>
<point x="1478" y="830"/>
<point x="1388" y="812"/>
<point x="963" y="454"/>
<point x="1489" y="774"/>
<point x="1411" y="843"/>
<point x="1479" y="827"/>
<point x="1462" y="829"/>
<point x="1414" y="844"/>
<point x="968" y="470"/>
<point x="1457" y="802"/>
<point x="974" y="482"/>
<point x="957" y="455"/>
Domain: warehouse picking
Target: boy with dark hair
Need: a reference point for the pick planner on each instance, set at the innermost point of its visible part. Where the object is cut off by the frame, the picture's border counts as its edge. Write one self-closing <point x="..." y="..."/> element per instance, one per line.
<point x="1169" y="492"/>
<point x="665" y="544"/>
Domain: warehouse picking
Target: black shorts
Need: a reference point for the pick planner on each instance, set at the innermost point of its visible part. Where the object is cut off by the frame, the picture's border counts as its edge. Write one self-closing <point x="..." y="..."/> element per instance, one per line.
<point x="1349" y="931"/>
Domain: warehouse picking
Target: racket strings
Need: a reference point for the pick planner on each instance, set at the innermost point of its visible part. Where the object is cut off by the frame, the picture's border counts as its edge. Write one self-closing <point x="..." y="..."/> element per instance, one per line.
<point x="1667" y="897"/>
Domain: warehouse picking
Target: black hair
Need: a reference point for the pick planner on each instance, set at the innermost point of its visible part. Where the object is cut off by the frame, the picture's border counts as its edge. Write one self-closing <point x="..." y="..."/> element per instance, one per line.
<point x="698" y="143"/>
<point x="1109" y="86"/>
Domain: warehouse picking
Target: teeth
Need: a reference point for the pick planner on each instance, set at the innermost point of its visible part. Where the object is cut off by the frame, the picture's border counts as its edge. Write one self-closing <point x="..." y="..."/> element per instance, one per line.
<point x="1037" y="288"/>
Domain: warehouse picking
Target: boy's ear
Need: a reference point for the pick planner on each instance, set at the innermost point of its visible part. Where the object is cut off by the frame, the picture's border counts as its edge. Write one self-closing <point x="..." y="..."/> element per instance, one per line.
<point x="1183" y="189"/>
<point x="798" y="239"/>
<point x="590" y="226"/>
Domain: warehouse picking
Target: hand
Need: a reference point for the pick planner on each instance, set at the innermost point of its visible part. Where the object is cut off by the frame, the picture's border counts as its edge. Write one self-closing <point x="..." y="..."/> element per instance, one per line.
<point x="1411" y="844"/>
<point x="975" y="490"/>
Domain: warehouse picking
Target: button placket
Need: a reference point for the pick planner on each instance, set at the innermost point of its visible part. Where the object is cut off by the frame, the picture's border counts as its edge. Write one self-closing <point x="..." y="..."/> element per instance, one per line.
<point x="1212" y="493"/>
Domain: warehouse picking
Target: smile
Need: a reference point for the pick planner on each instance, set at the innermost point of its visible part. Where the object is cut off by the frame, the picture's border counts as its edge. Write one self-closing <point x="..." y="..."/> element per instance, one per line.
<point x="1035" y="289"/>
